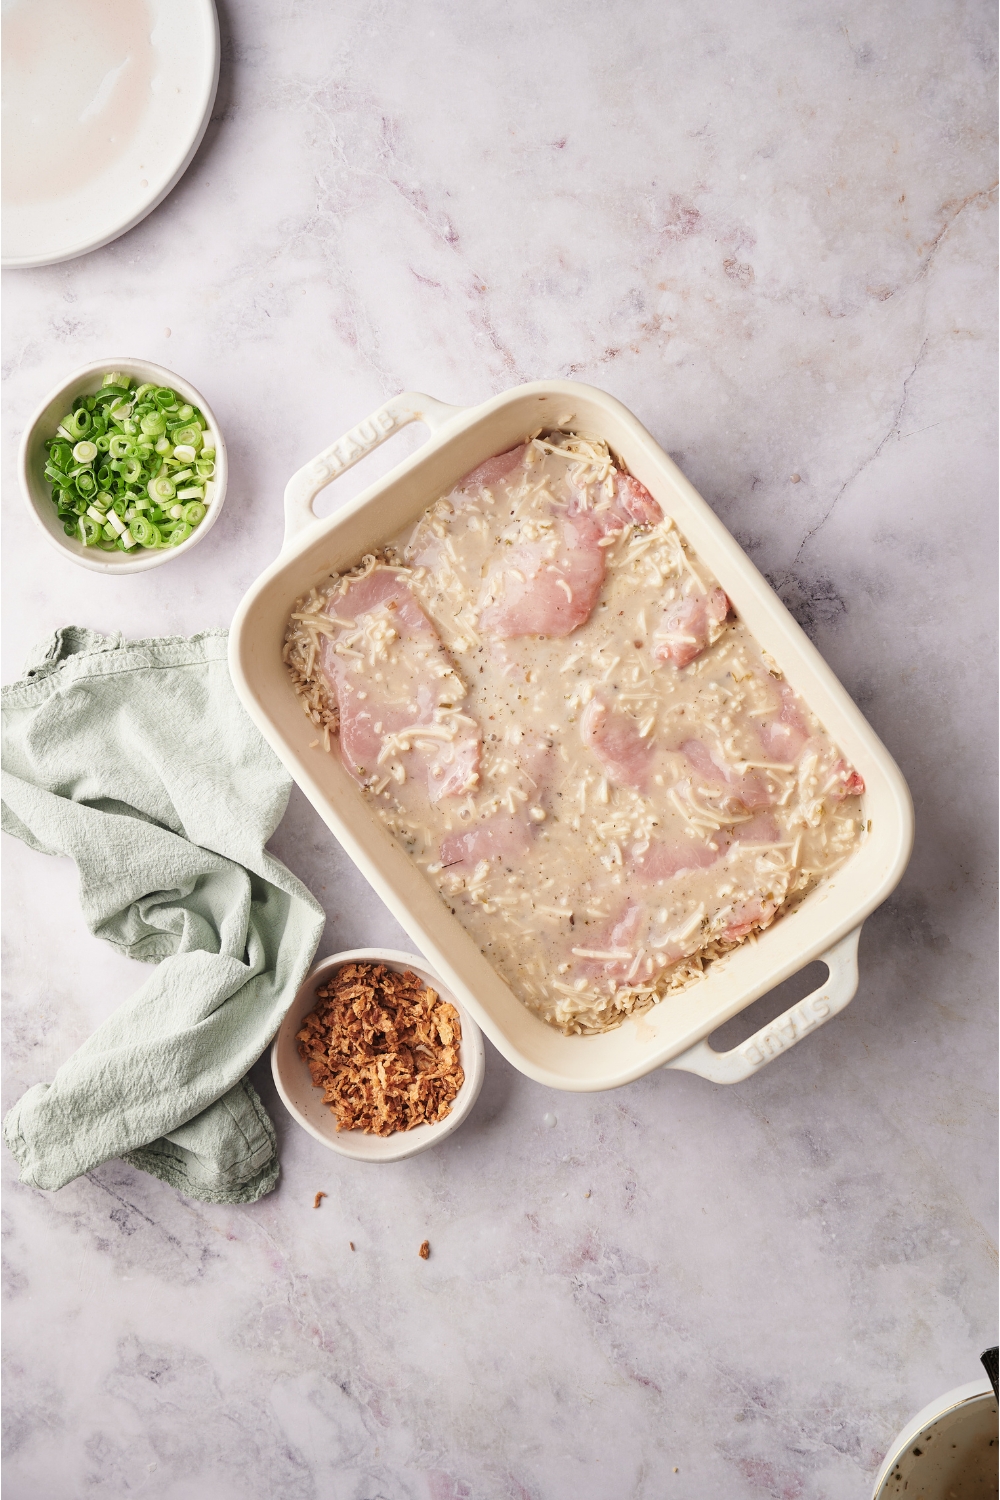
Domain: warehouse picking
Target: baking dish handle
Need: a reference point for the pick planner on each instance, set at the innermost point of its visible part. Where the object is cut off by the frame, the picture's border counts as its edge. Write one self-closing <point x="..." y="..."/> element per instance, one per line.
<point x="778" y="1035"/>
<point x="397" y="412"/>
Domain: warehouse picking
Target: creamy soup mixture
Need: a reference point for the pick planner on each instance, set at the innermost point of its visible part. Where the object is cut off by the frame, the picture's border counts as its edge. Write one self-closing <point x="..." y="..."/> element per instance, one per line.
<point x="553" y="707"/>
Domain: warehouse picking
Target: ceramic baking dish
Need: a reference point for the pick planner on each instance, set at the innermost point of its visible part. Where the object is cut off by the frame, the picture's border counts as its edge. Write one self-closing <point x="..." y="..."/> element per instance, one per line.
<point x="825" y="926"/>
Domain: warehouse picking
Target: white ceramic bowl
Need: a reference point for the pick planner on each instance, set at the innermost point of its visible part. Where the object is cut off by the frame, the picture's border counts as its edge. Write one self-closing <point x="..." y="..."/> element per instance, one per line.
<point x="305" y="1103"/>
<point x="950" y="1448"/>
<point x="37" y="491"/>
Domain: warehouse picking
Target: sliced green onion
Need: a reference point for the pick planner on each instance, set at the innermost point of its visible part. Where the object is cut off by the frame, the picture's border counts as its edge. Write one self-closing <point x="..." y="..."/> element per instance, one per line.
<point x="77" y="424"/>
<point x="144" y="532"/>
<point x="128" y="467"/>
<point x="161" y="488"/>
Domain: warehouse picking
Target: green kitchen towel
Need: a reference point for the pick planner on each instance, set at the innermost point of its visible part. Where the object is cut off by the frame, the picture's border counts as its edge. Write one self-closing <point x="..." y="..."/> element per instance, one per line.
<point x="137" y="760"/>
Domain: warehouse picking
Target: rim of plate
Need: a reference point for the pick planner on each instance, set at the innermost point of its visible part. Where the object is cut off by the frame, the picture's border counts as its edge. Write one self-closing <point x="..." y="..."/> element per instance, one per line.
<point x="119" y="562"/>
<point x="402" y="1143"/>
<point x="185" y="156"/>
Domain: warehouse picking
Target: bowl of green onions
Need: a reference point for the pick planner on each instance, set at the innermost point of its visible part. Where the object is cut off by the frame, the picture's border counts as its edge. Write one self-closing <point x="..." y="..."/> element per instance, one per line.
<point x="124" y="466"/>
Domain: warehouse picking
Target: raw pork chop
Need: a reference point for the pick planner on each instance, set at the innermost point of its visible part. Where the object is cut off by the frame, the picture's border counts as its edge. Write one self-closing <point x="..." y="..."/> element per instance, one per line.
<point x="750" y="788"/>
<point x="690" y="626"/>
<point x="615" y="740"/>
<point x="549" y="587"/>
<point x="397" y="691"/>
<point x="497" y="838"/>
<point x="546" y="587"/>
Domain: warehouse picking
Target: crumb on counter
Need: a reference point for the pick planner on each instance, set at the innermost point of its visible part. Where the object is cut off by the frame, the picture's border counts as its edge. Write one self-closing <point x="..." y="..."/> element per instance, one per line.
<point x="318" y="1199"/>
<point x="383" y="1047"/>
<point x="351" y="1243"/>
<point x="425" y="1249"/>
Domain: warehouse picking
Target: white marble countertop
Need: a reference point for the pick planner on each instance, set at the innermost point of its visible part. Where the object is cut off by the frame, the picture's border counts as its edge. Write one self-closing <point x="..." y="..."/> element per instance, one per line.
<point x="767" y="228"/>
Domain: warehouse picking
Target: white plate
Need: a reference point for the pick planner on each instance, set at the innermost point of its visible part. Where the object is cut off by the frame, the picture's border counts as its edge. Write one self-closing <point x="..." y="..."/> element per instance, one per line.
<point x="105" y="103"/>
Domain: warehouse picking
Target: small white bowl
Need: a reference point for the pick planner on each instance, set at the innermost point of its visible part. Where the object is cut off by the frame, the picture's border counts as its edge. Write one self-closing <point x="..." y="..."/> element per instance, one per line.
<point x="38" y="493"/>
<point x="304" y="1101"/>
<point x="967" y="1418"/>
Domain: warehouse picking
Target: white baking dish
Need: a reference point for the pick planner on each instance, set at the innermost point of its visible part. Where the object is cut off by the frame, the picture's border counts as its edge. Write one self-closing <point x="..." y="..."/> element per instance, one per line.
<point x="827" y="924"/>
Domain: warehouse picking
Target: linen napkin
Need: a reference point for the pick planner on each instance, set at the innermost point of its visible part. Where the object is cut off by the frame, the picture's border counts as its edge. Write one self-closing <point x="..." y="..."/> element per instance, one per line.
<point x="136" y="759"/>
